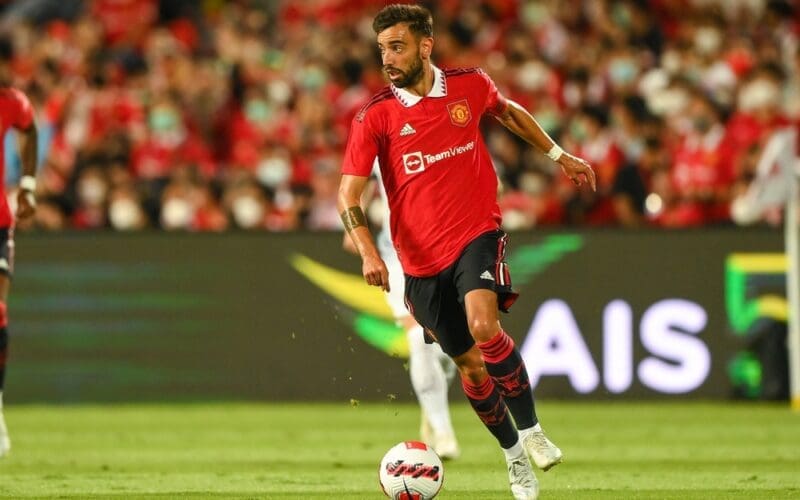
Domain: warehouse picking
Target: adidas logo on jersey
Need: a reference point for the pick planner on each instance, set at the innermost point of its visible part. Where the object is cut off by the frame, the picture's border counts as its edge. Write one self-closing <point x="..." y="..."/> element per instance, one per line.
<point x="487" y="276"/>
<point x="407" y="130"/>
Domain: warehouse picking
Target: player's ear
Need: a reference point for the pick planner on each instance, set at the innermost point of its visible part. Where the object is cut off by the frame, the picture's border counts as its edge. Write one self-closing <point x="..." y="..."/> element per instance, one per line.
<point x="426" y="47"/>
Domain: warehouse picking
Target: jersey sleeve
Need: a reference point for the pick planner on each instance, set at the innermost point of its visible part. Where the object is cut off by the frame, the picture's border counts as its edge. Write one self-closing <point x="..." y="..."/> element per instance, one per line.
<point x="496" y="104"/>
<point x="362" y="146"/>
<point x="21" y="110"/>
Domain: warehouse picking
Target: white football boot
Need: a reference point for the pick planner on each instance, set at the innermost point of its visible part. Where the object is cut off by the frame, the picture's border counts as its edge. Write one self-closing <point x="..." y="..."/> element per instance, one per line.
<point x="541" y="450"/>
<point x="524" y="485"/>
<point x="446" y="446"/>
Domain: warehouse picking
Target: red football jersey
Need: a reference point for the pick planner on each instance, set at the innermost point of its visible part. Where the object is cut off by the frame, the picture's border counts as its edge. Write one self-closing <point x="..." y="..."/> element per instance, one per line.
<point x="439" y="179"/>
<point x="15" y="111"/>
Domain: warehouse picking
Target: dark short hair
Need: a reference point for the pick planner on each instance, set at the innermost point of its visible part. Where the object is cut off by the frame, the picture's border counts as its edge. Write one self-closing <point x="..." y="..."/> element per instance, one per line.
<point x="418" y="18"/>
<point x="6" y="49"/>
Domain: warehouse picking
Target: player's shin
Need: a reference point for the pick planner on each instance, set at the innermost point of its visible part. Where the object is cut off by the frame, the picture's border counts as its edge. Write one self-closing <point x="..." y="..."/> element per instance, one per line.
<point x="491" y="409"/>
<point x="507" y="369"/>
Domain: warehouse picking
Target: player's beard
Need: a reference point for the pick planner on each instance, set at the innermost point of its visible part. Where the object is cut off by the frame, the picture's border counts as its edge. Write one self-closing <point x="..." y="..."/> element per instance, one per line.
<point x="410" y="77"/>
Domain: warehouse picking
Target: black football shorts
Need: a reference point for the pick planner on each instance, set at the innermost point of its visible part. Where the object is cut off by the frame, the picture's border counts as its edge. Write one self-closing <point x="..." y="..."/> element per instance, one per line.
<point x="437" y="302"/>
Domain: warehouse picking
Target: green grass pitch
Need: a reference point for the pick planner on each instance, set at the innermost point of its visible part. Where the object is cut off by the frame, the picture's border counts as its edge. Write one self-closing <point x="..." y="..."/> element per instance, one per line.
<point x="612" y="450"/>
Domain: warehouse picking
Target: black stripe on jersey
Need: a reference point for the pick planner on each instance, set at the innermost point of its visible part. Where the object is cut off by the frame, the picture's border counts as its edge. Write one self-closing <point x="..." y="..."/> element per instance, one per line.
<point x="384" y="94"/>
<point x="461" y="71"/>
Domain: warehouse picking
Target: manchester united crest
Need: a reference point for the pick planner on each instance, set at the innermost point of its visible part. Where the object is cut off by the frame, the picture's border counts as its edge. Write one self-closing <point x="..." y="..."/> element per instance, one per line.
<point x="459" y="112"/>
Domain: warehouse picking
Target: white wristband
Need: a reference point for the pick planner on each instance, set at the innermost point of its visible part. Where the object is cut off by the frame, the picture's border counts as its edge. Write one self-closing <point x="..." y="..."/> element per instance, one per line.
<point x="555" y="152"/>
<point x="27" y="183"/>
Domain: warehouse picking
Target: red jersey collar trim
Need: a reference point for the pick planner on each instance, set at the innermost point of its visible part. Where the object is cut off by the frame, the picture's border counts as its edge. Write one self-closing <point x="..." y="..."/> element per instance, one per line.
<point x="439" y="89"/>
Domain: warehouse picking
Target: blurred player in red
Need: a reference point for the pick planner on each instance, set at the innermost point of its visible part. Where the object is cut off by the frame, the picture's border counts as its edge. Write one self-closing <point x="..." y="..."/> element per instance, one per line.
<point x="445" y="222"/>
<point x="15" y="112"/>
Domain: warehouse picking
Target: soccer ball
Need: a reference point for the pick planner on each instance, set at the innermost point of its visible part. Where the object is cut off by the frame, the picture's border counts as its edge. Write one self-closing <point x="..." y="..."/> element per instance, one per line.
<point x="411" y="470"/>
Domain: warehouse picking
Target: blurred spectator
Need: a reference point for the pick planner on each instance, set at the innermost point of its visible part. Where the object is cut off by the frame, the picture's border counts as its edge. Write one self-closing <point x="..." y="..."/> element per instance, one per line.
<point x="701" y="171"/>
<point x="592" y="140"/>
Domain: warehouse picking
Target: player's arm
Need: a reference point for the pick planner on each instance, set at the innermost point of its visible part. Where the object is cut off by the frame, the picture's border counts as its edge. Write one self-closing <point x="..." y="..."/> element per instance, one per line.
<point x="369" y="192"/>
<point x="355" y="223"/>
<point x="28" y="145"/>
<point x="517" y="119"/>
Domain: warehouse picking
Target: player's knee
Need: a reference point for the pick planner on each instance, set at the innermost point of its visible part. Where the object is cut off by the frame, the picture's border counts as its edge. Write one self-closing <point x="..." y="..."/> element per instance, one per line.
<point x="471" y="366"/>
<point x="3" y="314"/>
<point x="482" y="329"/>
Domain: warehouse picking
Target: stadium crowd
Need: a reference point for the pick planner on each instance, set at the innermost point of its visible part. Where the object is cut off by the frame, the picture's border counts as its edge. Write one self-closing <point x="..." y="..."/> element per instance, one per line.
<point x="213" y="115"/>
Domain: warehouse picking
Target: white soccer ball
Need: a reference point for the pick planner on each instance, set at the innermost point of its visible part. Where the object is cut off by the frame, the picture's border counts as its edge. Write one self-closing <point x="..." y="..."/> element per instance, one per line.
<point x="411" y="470"/>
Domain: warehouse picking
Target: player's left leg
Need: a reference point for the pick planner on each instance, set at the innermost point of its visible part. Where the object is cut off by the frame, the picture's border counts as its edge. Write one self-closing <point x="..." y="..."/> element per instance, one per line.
<point x="486" y="285"/>
<point x="507" y="368"/>
<point x="435" y="304"/>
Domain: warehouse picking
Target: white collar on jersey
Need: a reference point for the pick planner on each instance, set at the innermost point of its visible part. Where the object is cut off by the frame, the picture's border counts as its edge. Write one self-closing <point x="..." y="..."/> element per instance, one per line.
<point x="439" y="89"/>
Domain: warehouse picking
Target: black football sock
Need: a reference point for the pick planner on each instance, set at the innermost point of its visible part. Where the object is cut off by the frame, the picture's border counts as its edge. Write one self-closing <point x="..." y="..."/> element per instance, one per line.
<point x="506" y="368"/>
<point x="491" y="409"/>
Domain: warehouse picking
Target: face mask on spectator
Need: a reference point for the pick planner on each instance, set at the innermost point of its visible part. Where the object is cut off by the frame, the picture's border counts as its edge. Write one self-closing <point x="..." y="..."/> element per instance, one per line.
<point x="578" y="131"/>
<point x="532" y="75"/>
<point x="176" y="213"/>
<point x="668" y="102"/>
<point x="92" y="190"/>
<point x="534" y="14"/>
<point x="312" y="78"/>
<point x="633" y="148"/>
<point x="124" y="214"/>
<point x="573" y="95"/>
<point x="549" y="120"/>
<point x="284" y="199"/>
<point x="248" y="212"/>
<point x="758" y="94"/>
<point x="279" y="91"/>
<point x="515" y="220"/>
<point x="622" y="71"/>
<point x="257" y="111"/>
<point x="707" y="41"/>
<point x="273" y="171"/>
<point x="167" y="128"/>
<point x="532" y="183"/>
<point x="163" y="120"/>
<point x="671" y="62"/>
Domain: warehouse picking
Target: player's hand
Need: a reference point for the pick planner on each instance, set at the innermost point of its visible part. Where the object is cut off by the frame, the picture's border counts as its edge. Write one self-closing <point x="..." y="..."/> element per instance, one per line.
<point x="375" y="272"/>
<point x="26" y="205"/>
<point x="578" y="170"/>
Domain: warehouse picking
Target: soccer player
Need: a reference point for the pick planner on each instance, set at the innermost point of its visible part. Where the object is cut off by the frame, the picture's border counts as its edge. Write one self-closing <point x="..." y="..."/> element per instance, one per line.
<point x="445" y="222"/>
<point x="15" y="111"/>
<point x="431" y="370"/>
